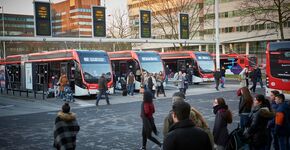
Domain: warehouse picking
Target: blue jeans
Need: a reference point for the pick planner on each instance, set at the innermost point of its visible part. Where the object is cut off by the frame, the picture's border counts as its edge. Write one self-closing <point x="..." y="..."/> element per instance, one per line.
<point x="283" y="142"/>
<point x="244" y="119"/>
<point x="102" y="92"/>
<point x="223" y="81"/>
<point x="131" y="88"/>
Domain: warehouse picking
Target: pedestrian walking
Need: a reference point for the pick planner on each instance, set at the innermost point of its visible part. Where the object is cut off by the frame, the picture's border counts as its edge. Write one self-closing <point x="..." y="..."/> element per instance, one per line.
<point x="147" y="111"/>
<point x="256" y="77"/>
<point x="257" y="127"/>
<point x="183" y="134"/>
<point x="102" y="83"/>
<point x="282" y="122"/>
<point x="223" y="77"/>
<point x="190" y="73"/>
<point x="167" y="74"/>
<point x="247" y="76"/>
<point x="180" y="81"/>
<point x="243" y="77"/>
<point x="55" y="85"/>
<point x="66" y="129"/>
<point x="131" y="83"/>
<point x="217" y="78"/>
<point x="223" y="117"/>
<point x="271" y="124"/>
<point x="63" y="81"/>
<point x="185" y="76"/>
<point x="245" y="106"/>
<point x="160" y="87"/>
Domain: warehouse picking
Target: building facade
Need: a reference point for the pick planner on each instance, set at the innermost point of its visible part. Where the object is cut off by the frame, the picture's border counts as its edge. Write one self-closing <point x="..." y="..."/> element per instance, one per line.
<point x="73" y="18"/>
<point x="236" y="35"/>
<point x="17" y="25"/>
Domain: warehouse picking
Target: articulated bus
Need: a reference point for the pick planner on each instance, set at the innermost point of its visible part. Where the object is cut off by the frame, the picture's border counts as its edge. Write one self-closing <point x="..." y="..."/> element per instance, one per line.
<point x="278" y="67"/>
<point x="235" y="63"/>
<point x="35" y="71"/>
<point x="136" y="62"/>
<point x="201" y="62"/>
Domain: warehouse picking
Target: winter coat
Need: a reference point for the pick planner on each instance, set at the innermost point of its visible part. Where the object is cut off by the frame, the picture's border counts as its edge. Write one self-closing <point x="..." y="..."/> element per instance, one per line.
<point x="195" y="116"/>
<point x="63" y="81"/>
<point x="148" y="122"/>
<point x="184" y="135"/>
<point x="217" y="75"/>
<point x="65" y="131"/>
<point x="257" y="130"/>
<point x="281" y="123"/>
<point x="243" y="108"/>
<point x="180" y="80"/>
<point x="220" y="130"/>
<point x="102" y="83"/>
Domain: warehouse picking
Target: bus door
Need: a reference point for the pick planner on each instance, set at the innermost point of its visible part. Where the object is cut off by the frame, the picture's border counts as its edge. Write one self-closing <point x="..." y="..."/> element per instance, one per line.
<point x="41" y="77"/>
<point x="123" y="69"/>
<point x="13" y="76"/>
<point x="181" y="65"/>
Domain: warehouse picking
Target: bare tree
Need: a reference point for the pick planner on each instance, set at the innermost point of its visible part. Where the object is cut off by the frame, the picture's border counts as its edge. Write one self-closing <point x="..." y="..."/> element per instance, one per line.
<point x="165" y="14"/>
<point x="266" y="11"/>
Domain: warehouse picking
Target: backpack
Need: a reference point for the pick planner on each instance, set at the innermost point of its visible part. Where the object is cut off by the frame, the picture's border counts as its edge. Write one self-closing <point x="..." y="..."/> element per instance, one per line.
<point x="150" y="83"/>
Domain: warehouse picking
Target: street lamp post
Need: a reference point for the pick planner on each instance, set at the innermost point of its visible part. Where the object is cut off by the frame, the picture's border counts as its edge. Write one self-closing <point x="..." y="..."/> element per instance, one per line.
<point x="3" y="31"/>
<point x="217" y="48"/>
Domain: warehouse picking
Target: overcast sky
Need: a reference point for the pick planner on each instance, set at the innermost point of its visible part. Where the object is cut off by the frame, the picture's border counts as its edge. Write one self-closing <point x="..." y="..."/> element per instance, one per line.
<point x="26" y="6"/>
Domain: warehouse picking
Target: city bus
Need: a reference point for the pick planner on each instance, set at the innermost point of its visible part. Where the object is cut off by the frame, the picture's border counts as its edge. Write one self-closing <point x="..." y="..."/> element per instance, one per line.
<point x="35" y="71"/>
<point x="201" y="62"/>
<point x="136" y="62"/>
<point x="235" y="63"/>
<point x="278" y="67"/>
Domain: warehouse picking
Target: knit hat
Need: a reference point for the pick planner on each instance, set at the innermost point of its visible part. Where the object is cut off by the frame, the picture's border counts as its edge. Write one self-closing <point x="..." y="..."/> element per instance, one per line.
<point x="147" y="96"/>
<point x="65" y="108"/>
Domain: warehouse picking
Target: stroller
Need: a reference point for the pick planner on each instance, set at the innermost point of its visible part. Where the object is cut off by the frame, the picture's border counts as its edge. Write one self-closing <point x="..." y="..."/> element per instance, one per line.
<point x="68" y="94"/>
<point x="237" y="141"/>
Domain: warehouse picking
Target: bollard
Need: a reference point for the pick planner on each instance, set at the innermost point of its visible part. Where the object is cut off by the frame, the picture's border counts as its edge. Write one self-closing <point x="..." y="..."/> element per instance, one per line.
<point x="26" y="93"/>
<point x="19" y="92"/>
<point x="34" y="94"/>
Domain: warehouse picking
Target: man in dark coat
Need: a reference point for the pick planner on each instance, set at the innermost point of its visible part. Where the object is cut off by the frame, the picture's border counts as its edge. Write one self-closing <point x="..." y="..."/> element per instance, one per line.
<point x="217" y="77"/>
<point x="183" y="135"/>
<point x="102" y="89"/>
<point x="65" y="129"/>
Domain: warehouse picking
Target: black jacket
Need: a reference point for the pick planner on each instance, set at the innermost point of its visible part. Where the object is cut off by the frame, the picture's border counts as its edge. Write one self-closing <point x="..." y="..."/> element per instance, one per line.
<point x="257" y="131"/>
<point x="217" y="75"/>
<point x="243" y="108"/>
<point x="185" y="136"/>
<point x="220" y="130"/>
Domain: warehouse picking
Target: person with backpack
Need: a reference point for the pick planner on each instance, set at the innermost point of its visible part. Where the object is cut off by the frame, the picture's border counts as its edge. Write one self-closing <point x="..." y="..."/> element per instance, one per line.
<point x="282" y="122"/>
<point x="222" y="119"/>
<point x="131" y="83"/>
<point x="256" y="132"/>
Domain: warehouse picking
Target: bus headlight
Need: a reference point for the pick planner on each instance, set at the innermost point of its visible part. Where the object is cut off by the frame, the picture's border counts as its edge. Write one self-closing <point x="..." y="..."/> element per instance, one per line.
<point x="273" y="83"/>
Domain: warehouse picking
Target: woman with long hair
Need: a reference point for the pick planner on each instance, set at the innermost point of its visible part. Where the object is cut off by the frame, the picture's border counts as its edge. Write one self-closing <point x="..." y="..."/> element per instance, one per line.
<point x="245" y="106"/>
<point x="147" y="111"/>
<point x="222" y="119"/>
<point x="257" y="129"/>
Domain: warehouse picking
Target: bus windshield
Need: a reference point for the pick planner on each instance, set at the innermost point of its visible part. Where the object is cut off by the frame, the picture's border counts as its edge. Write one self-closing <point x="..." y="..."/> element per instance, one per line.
<point x="150" y="62"/>
<point x="280" y="60"/>
<point x="93" y="65"/>
<point x="205" y="62"/>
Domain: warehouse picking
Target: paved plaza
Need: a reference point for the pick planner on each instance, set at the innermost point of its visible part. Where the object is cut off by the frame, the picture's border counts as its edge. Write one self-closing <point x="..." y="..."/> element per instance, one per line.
<point x="28" y="124"/>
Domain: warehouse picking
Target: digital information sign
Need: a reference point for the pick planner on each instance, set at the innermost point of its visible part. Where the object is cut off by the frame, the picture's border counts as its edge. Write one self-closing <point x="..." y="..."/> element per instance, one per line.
<point x="42" y="19"/>
<point x="145" y="24"/>
<point x="99" y="21"/>
<point x="183" y="26"/>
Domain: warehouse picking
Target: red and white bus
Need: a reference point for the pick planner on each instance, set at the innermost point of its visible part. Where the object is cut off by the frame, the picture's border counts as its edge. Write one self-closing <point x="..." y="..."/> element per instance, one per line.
<point x="278" y="67"/>
<point x="235" y="63"/>
<point x="136" y="62"/>
<point x="83" y="68"/>
<point x="201" y="62"/>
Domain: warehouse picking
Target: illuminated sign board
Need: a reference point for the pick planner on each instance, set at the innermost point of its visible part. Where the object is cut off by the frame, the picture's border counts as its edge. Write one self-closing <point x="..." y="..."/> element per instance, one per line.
<point x="145" y="24"/>
<point x="99" y="21"/>
<point x="183" y="26"/>
<point x="42" y="18"/>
